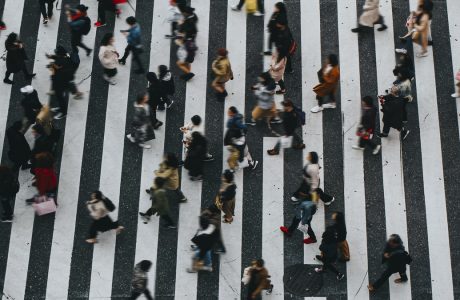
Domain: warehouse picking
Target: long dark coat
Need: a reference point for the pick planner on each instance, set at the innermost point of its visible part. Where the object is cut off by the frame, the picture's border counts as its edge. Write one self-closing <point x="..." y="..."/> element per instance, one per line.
<point x="19" y="148"/>
<point x="15" y="57"/>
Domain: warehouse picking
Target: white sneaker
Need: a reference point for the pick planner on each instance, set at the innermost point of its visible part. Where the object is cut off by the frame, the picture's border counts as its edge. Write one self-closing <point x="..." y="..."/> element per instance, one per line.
<point x="455" y="95"/>
<point x="110" y="80"/>
<point x="329" y="105"/>
<point x="235" y="8"/>
<point x="376" y="150"/>
<point x="145" y="146"/>
<point x="357" y="147"/>
<point x="316" y="109"/>
<point x="206" y="268"/>
<point x="258" y="14"/>
<point x="55" y="109"/>
<point x="131" y="138"/>
<point x="422" y="54"/>
<point x="330" y="202"/>
<point x="401" y="51"/>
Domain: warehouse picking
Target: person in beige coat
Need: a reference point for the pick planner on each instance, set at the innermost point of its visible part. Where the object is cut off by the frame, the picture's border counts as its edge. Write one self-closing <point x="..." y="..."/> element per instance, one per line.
<point x="108" y="56"/>
<point x="370" y="17"/>
<point x="169" y="171"/>
<point x="223" y="73"/>
<point x="99" y="207"/>
<point x="277" y="67"/>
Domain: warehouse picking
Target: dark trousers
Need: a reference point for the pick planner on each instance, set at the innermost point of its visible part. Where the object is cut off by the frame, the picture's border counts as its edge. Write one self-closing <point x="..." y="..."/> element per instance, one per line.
<point x="363" y="143"/>
<point x="329" y="265"/>
<point x="271" y="41"/>
<point x="164" y="101"/>
<point x="282" y="84"/>
<point x="61" y="91"/>
<point x="136" y="57"/>
<point x="260" y="5"/>
<point x="146" y="292"/>
<point x="75" y="41"/>
<point x="167" y="220"/>
<point x="323" y="196"/>
<point x="102" y="7"/>
<point x="110" y="72"/>
<point x="23" y="69"/>
<point x="173" y="28"/>
<point x="321" y="99"/>
<point x="101" y="225"/>
<point x="295" y="223"/>
<point x="46" y="13"/>
<point x="289" y="63"/>
<point x="387" y="273"/>
<point x="220" y="242"/>
<point x="7" y="209"/>
<point x="296" y="140"/>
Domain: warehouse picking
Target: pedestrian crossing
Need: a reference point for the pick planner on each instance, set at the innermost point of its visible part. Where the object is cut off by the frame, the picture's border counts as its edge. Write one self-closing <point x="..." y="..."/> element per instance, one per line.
<point x="47" y="257"/>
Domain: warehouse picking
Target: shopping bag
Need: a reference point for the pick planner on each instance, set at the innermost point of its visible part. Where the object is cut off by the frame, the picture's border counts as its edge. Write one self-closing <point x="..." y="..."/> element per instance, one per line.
<point x="457" y="76"/>
<point x="246" y="276"/>
<point x="44" y="205"/>
<point x="251" y="6"/>
<point x="286" y="142"/>
<point x="303" y="227"/>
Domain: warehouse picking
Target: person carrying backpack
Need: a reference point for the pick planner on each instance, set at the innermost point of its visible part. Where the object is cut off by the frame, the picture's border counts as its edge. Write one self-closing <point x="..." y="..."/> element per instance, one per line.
<point x="80" y="25"/>
<point x="99" y="207"/>
<point x="396" y="258"/>
<point x="292" y="120"/>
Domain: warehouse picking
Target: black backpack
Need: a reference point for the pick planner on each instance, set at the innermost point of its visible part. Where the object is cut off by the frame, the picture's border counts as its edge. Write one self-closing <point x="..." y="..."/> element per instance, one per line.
<point x="108" y="204"/>
<point x="301" y="116"/>
<point x="86" y="25"/>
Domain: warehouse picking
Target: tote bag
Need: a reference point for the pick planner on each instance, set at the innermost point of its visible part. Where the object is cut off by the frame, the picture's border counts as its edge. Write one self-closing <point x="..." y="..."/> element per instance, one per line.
<point x="286" y="142"/>
<point x="44" y="205"/>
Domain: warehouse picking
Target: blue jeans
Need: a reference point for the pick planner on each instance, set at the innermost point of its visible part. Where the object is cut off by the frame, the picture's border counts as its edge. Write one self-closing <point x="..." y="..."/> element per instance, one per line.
<point x="206" y="258"/>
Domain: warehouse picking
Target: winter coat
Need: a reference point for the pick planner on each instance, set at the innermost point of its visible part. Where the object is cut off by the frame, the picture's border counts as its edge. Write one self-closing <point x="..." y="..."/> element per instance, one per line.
<point x="265" y="95"/>
<point x="330" y="77"/>
<point x="45" y="180"/>
<point x="305" y="211"/>
<point x="160" y="202"/>
<point x="393" y="111"/>
<point x="19" y="148"/>
<point x="370" y="13"/>
<point x="328" y="245"/>
<point x="77" y="23"/>
<point x="222" y="69"/>
<point x="398" y="258"/>
<point x="341" y="231"/>
<point x="236" y="128"/>
<point x="196" y="153"/>
<point x="188" y="27"/>
<point x="283" y="40"/>
<point x="275" y="18"/>
<point x="108" y="56"/>
<point x="204" y="239"/>
<point x="167" y="84"/>
<point x="155" y="93"/>
<point x="97" y="209"/>
<point x="258" y="281"/>
<point x="31" y="106"/>
<point x="311" y="175"/>
<point x="277" y="67"/>
<point x="368" y="119"/>
<point x="139" y="281"/>
<point x="141" y="117"/>
<point x="170" y="174"/>
<point x="134" y="36"/>
<point x="9" y="185"/>
<point x="43" y="143"/>
<point x="15" y="57"/>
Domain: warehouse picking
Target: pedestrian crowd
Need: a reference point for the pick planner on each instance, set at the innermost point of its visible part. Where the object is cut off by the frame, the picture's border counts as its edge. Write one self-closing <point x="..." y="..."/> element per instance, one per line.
<point x="159" y="96"/>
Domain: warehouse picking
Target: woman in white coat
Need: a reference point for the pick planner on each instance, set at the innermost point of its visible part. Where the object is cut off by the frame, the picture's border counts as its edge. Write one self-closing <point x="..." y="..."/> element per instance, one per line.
<point x="370" y="17"/>
<point x="108" y="56"/>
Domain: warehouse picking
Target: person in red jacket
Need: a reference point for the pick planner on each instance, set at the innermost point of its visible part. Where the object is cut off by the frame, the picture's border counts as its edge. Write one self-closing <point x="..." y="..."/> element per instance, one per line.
<point x="45" y="175"/>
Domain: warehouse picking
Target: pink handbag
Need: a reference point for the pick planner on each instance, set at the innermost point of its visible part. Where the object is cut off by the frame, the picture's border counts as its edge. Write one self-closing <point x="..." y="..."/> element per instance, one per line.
<point x="457" y="76"/>
<point x="44" y="205"/>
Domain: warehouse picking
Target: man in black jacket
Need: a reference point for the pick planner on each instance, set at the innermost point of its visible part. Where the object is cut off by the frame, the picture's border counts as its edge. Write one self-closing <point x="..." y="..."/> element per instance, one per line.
<point x="394" y="111"/>
<point x="188" y="27"/>
<point x="31" y="105"/>
<point x="291" y="123"/>
<point x="19" y="152"/>
<point x="155" y="93"/>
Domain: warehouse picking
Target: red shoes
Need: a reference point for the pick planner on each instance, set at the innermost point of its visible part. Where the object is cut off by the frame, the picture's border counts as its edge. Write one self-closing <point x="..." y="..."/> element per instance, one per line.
<point x="99" y="24"/>
<point x="309" y="241"/>
<point x="285" y="230"/>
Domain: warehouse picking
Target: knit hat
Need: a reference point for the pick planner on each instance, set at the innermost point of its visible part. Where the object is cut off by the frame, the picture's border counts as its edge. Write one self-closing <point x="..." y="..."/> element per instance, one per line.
<point x="222" y="52"/>
<point x="28" y="89"/>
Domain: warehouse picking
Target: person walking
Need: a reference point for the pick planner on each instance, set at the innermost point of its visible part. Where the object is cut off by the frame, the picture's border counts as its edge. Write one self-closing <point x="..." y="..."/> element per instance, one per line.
<point x="31" y="106"/>
<point x="154" y="91"/>
<point x="167" y="87"/>
<point x="290" y="123"/>
<point x="195" y="157"/>
<point x="394" y="113"/>
<point x="396" y="258"/>
<point x="367" y="126"/>
<point x="311" y="181"/>
<point x="187" y="26"/>
<point x="370" y="16"/>
<point x="260" y="7"/>
<point x="108" y="56"/>
<point x="9" y="187"/>
<point x="15" y="58"/>
<point x="225" y="199"/>
<point x="175" y="16"/>
<point x="285" y="43"/>
<point x="417" y="31"/>
<point x="185" y="56"/>
<point x="279" y="14"/>
<point x="168" y="170"/>
<point x="80" y="25"/>
<point x="204" y="240"/>
<point x="19" y="150"/>
<point x="140" y="279"/>
<point x="102" y="7"/>
<point x="222" y="72"/>
<point x="46" y="8"/>
<point x="42" y="141"/>
<point x="45" y="176"/>
<point x="133" y="37"/>
<point x="277" y="68"/>
<point x="404" y="66"/>
<point x="328" y="255"/>
<point x="142" y="127"/>
<point x="258" y="280"/>
<point x="99" y="207"/>
<point x="189" y="128"/>
<point x="340" y="228"/>
<point x="160" y="204"/>
<point x="264" y="91"/>
<point x="213" y="213"/>
<point x="328" y="77"/>
<point x="304" y="214"/>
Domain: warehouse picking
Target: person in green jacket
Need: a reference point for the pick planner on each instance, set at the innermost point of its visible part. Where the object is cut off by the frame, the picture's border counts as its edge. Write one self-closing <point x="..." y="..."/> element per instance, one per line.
<point x="160" y="205"/>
